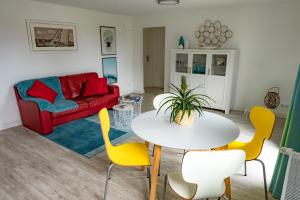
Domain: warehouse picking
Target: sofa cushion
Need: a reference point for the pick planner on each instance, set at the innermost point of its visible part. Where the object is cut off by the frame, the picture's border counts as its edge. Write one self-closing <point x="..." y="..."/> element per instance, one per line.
<point x="82" y="106"/>
<point x="41" y="90"/>
<point x="76" y="84"/>
<point x="65" y="87"/>
<point x="72" y="85"/>
<point x="99" y="100"/>
<point x="95" y="86"/>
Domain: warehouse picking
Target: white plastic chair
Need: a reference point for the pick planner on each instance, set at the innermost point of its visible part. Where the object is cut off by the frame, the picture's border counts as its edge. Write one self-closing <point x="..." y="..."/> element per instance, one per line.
<point x="159" y="100"/>
<point x="203" y="173"/>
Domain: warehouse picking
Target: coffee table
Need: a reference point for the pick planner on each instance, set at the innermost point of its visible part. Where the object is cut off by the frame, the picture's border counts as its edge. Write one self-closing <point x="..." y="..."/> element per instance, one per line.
<point x="123" y="114"/>
<point x="135" y="101"/>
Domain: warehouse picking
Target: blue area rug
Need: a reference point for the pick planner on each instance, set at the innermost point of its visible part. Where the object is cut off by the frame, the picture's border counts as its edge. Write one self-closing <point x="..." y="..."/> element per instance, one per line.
<point x="84" y="136"/>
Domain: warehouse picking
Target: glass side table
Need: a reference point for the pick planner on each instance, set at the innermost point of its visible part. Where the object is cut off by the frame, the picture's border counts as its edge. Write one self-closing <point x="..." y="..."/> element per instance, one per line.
<point x="123" y="114"/>
<point x="135" y="101"/>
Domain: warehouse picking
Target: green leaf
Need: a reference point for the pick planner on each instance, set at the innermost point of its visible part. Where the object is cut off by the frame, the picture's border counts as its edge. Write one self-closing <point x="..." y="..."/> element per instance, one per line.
<point x="184" y="101"/>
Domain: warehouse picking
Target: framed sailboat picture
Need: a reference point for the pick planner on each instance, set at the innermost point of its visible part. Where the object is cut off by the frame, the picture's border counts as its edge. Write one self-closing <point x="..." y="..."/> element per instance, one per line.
<point x="48" y="35"/>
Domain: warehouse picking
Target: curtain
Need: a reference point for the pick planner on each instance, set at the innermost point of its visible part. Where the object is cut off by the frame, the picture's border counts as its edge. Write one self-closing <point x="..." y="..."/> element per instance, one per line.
<point x="290" y="138"/>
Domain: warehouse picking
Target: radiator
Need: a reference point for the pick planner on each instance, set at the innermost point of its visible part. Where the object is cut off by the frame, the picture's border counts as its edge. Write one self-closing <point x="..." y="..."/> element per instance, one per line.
<point x="291" y="185"/>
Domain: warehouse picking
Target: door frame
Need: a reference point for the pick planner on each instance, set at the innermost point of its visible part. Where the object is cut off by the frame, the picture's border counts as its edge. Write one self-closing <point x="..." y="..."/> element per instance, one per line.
<point x="143" y="54"/>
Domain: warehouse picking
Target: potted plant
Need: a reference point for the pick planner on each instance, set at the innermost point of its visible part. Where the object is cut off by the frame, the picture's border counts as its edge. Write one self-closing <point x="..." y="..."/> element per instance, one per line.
<point x="184" y="104"/>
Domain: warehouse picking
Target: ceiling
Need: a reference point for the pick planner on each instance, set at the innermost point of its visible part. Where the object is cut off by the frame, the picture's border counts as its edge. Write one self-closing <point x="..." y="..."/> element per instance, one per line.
<point x="136" y="7"/>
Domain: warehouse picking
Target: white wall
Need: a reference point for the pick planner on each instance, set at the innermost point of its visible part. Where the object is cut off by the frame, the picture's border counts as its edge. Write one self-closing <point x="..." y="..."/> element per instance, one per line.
<point x="18" y="63"/>
<point x="267" y="36"/>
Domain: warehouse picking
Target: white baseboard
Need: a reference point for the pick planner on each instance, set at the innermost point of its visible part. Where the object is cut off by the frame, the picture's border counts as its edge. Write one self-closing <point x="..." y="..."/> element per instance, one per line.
<point x="7" y="125"/>
<point x="141" y="91"/>
<point x="281" y="111"/>
<point x="127" y="92"/>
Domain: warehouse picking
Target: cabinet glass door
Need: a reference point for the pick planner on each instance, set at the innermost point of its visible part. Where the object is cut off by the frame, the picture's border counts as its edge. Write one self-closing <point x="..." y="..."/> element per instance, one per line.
<point x="182" y="62"/>
<point x="199" y="64"/>
<point x="219" y="65"/>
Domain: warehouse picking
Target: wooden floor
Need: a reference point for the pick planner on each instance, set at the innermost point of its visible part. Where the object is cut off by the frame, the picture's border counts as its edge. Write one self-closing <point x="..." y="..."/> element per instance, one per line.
<point x="34" y="168"/>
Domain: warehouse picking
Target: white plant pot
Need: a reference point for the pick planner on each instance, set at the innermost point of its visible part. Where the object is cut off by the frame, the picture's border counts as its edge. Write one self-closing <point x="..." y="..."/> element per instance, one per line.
<point x="186" y="120"/>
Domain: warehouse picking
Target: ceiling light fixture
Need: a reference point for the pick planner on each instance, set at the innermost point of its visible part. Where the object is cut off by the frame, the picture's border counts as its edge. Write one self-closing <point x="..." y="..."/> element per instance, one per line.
<point x="168" y="2"/>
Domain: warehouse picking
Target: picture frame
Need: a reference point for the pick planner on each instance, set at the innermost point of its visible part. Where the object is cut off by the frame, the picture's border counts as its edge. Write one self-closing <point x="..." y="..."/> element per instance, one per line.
<point x="109" y="69"/>
<point x="108" y="40"/>
<point x="51" y="36"/>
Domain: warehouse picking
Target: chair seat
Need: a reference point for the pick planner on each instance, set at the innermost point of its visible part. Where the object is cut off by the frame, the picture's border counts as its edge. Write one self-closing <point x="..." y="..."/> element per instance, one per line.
<point x="181" y="187"/>
<point x="130" y="154"/>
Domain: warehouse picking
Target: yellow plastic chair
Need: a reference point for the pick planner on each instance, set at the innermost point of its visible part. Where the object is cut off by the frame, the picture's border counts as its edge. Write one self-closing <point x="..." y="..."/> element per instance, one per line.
<point x="127" y="155"/>
<point x="263" y="120"/>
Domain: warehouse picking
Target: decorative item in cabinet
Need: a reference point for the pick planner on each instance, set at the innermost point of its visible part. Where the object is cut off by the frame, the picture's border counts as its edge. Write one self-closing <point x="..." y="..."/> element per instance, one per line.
<point x="199" y="63"/>
<point x="219" y="64"/>
<point x="182" y="63"/>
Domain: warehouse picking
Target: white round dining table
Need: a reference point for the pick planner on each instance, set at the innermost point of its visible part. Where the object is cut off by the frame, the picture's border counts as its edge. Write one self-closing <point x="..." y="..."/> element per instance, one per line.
<point x="207" y="132"/>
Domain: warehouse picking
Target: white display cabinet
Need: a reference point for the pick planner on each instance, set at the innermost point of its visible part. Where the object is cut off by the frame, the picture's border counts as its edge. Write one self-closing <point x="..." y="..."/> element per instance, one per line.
<point x="211" y="71"/>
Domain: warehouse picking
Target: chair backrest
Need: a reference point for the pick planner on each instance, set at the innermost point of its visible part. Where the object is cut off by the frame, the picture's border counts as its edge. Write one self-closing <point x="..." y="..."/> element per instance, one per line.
<point x="208" y="169"/>
<point x="159" y="100"/>
<point x="263" y="120"/>
<point x="105" y="127"/>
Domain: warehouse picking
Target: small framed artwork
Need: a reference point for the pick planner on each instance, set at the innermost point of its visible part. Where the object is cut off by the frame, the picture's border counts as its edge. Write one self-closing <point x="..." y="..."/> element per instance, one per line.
<point x="48" y="35"/>
<point x="109" y="69"/>
<point x="108" y="40"/>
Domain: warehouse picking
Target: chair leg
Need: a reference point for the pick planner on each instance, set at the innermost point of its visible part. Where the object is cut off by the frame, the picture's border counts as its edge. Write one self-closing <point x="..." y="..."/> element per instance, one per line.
<point x="153" y="150"/>
<point x="159" y="168"/>
<point x="223" y="197"/>
<point x="265" y="178"/>
<point x="107" y="179"/>
<point x="148" y="172"/>
<point x="149" y="177"/>
<point x="165" y="186"/>
<point x="245" y="168"/>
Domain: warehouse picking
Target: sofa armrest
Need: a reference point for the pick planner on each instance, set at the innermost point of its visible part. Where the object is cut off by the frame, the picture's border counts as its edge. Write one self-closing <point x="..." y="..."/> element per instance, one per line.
<point x="114" y="89"/>
<point x="32" y="117"/>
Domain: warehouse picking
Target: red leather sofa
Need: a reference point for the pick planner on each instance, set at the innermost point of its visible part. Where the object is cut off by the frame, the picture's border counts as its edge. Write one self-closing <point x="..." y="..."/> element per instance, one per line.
<point x="44" y="121"/>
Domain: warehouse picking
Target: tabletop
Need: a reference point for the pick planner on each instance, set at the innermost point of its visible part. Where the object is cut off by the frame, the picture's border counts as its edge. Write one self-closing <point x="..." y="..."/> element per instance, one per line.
<point x="208" y="131"/>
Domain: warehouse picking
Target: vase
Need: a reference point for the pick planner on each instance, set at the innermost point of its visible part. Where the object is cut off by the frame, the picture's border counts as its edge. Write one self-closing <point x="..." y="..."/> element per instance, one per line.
<point x="181" y="43"/>
<point x="186" y="119"/>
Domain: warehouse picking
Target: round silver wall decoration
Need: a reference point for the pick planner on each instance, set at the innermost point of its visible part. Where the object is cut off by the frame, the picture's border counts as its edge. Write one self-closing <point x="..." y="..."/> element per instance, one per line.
<point x="212" y="34"/>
